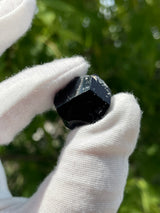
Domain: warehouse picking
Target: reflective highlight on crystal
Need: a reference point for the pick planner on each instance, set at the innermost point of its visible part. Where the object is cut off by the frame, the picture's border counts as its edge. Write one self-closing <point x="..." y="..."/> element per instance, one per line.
<point x="84" y="100"/>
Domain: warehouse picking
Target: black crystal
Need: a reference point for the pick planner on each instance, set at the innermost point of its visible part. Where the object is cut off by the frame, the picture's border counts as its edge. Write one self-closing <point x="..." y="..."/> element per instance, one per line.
<point x="84" y="100"/>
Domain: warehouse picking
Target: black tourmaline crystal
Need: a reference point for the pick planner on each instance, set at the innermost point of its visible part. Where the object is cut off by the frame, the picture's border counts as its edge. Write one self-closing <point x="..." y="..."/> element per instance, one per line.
<point x="84" y="100"/>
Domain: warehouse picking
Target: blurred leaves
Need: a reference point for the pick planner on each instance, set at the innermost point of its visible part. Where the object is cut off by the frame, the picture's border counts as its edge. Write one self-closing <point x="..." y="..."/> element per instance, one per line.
<point x="140" y="197"/>
<point x="121" y="39"/>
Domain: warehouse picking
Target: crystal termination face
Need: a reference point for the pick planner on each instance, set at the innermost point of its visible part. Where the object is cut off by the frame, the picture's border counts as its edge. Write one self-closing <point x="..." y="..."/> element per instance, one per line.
<point x="84" y="100"/>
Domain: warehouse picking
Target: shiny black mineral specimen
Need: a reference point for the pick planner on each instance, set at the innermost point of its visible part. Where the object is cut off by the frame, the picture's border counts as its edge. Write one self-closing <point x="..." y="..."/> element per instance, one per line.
<point x="84" y="100"/>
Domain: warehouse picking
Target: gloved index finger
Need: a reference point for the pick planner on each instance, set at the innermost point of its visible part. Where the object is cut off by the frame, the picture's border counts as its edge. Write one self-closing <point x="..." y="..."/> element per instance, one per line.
<point x="32" y="91"/>
<point x="15" y="19"/>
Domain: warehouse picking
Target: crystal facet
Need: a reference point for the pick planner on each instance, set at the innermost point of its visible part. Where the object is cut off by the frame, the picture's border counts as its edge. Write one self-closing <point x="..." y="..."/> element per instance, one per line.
<point x="84" y="100"/>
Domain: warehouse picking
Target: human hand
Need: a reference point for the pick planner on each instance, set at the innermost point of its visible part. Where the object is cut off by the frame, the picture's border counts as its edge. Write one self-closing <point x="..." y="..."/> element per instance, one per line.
<point x="92" y="169"/>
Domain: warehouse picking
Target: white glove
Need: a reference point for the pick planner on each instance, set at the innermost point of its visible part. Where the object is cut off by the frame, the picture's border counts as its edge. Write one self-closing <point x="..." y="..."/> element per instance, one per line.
<point x="92" y="169"/>
<point x="15" y="19"/>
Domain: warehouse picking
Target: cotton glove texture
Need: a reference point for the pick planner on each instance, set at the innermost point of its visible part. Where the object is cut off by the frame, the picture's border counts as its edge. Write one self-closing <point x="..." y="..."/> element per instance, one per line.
<point x="15" y="19"/>
<point x="92" y="169"/>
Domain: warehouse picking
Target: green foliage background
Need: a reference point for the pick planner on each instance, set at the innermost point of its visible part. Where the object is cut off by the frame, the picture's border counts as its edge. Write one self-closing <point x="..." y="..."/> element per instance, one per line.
<point x="121" y="39"/>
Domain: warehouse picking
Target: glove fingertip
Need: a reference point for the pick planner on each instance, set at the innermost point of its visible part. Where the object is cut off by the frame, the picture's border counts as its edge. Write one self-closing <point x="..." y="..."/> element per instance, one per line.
<point x="20" y="16"/>
<point x="126" y="103"/>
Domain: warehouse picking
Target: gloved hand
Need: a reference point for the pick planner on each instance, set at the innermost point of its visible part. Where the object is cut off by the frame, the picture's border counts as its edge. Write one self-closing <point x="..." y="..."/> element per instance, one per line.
<point x="92" y="169"/>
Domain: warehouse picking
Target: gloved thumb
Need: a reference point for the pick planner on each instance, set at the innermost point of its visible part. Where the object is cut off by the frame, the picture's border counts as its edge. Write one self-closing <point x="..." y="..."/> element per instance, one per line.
<point x="92" y="169"/>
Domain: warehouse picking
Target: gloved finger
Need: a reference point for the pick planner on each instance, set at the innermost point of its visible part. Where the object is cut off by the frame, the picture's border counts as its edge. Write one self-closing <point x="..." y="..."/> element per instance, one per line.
<point x="120" y="126"/>
<point x="92" y="169"/>
<point x="32" y="91"/>
<point x="7" y="6"/>
<point x="15" y="19"/>
<point x="11" y="205"/>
